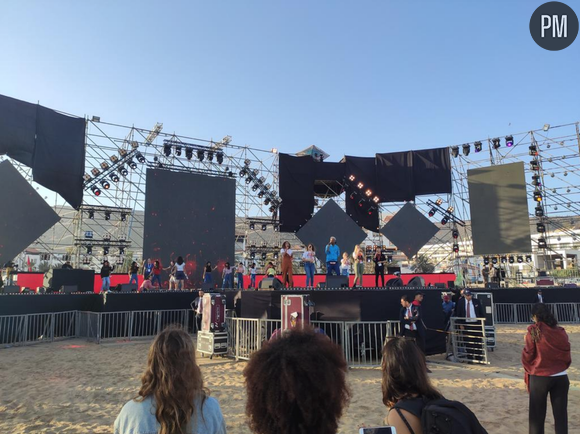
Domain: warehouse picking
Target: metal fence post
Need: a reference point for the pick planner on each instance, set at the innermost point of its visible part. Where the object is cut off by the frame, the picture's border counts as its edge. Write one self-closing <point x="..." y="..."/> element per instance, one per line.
<point x="130" y="331"/>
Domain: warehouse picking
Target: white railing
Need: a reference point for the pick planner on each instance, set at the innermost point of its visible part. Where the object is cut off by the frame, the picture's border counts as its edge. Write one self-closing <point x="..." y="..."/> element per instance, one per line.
<point x="468" y="340"/>
<point x="521" y="313"/>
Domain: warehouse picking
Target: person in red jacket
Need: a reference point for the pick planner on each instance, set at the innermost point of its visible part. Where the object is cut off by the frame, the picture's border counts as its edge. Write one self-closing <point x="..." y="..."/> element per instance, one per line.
<point x="546" y="358"/>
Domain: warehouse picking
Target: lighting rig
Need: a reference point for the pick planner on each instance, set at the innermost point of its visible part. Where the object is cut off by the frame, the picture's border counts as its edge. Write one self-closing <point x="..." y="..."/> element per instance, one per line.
<point x="263" y="223"/>
<point x="365" y="197"/>
<point x="260" y="187"/>
<point x="447" y="214"/>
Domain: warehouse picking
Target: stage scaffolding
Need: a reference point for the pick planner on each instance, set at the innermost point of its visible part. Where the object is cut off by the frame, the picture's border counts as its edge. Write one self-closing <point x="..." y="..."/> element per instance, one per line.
<point x="558" y="154"/>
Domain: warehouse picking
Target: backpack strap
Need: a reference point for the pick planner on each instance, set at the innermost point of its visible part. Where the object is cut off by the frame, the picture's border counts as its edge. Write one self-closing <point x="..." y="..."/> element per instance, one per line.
<point x="404" y="419"/>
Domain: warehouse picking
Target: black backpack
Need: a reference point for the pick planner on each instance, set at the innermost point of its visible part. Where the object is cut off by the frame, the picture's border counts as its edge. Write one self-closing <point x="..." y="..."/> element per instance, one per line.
<point x="443" y="416"/>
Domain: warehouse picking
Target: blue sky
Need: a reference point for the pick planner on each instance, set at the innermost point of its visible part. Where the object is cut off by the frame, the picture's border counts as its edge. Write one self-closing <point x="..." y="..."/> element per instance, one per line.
<point x="353" y="78"/>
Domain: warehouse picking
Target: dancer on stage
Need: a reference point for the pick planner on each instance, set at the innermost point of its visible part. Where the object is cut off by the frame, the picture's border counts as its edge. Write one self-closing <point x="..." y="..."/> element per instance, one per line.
<point x="106" y="276"/>
<point x="156" y="272"/>
<point x="379" y="260"/>
<point x="241" y="270"/>
<point x="171" y="269"/>
<point x="133" y="273"/>
<point x="308" y="257"/>
<point x="345" y="265"/>
<point x="180" y="273"/>
<point x="287" y="255"/>
<point x="207" y="278"/>
<point x="270" y="270"/>
<point x="228" y="276"/>
<point x="359" y="265"/>
<point x="332" y="257"/>
<point x="253" y="272"/>
<point x="147" y="268"/>
<point x="147" y="285"/>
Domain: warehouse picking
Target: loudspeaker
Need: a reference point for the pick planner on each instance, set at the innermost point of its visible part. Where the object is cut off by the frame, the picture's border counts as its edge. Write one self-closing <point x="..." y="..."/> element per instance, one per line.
<point x="337" y="281"/>
<point x="128" y="287"/>
<point x="207" y="286"/>
<point x="493" y="285"/>
<point x="270" y="283"/>
<point x="69" y="289"/>
<point x="416" y="282"/>
<point x="439" y="285"/>
<point x="451" y="284"/>
<point x="83" y="279"/>
<point x="396" y="282"/>
<point x="11" y="289"/>
<point x="40" y="290"/>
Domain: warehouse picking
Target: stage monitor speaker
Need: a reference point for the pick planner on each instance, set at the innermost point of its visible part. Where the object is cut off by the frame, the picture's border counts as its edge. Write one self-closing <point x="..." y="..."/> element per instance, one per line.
<point x="69" y="289"/>
<point x="58" y="277"/>
<point x="208" y="286"/>
<point x="451" y="284"/>
<point x="439" y="285"/>
<point x="11" y="289"/>
<point x="337" y="281"/>
<point x="416" y="282"/>
<point x="396" y="282"/>
<point x="270" y="283"/>
<point x="128" y="287"/>
<point x="492" y="286"/>
<point x="393" y="270"/>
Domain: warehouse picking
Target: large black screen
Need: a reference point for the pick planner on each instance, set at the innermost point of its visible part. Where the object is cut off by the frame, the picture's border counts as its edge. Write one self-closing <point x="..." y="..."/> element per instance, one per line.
<point x="192" y="216"/>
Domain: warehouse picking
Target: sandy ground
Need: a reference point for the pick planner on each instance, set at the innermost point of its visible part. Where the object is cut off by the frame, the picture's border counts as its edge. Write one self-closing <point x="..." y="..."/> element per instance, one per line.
<point x="79" y="387"/>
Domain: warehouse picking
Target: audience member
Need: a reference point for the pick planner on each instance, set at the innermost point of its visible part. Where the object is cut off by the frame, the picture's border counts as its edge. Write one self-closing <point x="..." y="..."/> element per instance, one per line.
<point x="546" y="358"/>
<point x="538" y="297"/>
<point x="296" y="384"/>
<point x="172" y="398"/>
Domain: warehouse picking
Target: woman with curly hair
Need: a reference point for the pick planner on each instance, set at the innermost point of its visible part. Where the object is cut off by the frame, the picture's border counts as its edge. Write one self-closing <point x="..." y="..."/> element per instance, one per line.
<point x="172" y="399"/>
<point x="546" y="358"/>
<point x="296" y="384"/>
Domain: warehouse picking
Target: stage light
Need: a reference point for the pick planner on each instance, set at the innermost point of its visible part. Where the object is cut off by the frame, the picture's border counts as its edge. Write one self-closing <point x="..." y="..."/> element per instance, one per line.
<point x="486" y="260"/>
<point x="520" y="259"/>
<point x="540" y="228"/>
<point x="478" y="146"/>
<point x="444" y="220"/>
<point x="456" y="248"/>
<point x="534" y="164"/>
<point x="376" y="199"/>
<point x="272" y="209"/>
<point x="167" y="150"/>
<point x="455" y="151"/>
<point x="252" y="255"/>
<point x="546" y="127"/>
<point x="455" y="234"/>
<point x="276" y="255"/>
<point x="542" y="243"/>
<point x="351" y="178"/>
<point x="371" y="210"/>
<point x="360" y="185"/>
<point x="361" y="203"/>
<point x="255" y="187"/>
<point x="114" y="177"/>
<point x="123" y="171"/>
<point x="528" y="258"/>
<point x="219" y="156"/>
<point x="95" y="171"/>
<point x="261" y="194"/>
<point x="106" y="250"/>
<point x="200" y="155"/>
<point x="432" y="211"/>
<point x="450" y="209"/>
<point x="537" y="196"/>
<point x="503" y="259"/>
<point x="188" y="153"/>
<point x="533" y="150"/>
<point x="264" y="255"/>
<point x="536" y="180"/>
<point x="96" y="191"/>
<point x="353" y="195"/>
<point x="121" y="251"/>
<point x="368" y="193"/>
<point x="87" y="177"/>
<point x="509" y="141"/>
<point x="132" y="164"/>
<point x="105" y="184"/>
<point x="264" y="227"/>
<point x="91" y="214"/>
<point x="496" y="143"/>
<point x="209" y="155"/>
<point x="494" y="260"/>
<point x="267" y="201"/>
<point x="439" y="201"/>
<point x="107" y="215"/>
<point x="243" y="173"/>
<point x="247" y="162"/>
<point x="511" y="260"/>
<point x="466" y="149"/>
<point x="89" y="250"/>
<point x="178" y="151"/>
<point x="123" y="217"/>
<point x="276" y="228"/>
<point x="104" y="165"/>
<point x="140" y="158"/>
<point x="539" y="211"/>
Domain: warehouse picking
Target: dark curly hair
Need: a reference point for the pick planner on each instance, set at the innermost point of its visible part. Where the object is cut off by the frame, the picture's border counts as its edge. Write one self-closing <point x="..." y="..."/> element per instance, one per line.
<point x="405" y="372"/>
<point x="296" y="385"/>
<point x="543" y="314"/>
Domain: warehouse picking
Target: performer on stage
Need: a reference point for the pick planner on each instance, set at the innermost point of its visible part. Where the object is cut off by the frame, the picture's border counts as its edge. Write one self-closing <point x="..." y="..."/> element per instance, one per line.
<point x="240" y="274"/>
<point x="228" y="276"/>
<point x="344" y="265"/>
<point x="287" y="255"/>
<point x="253" y="275"/>
<point x="180" y="273"/>
<point x="67" y="266"/>
<point x="172" y="281"/>
<point x="156" y="273"/>
<point x="332" y="257"/>
<point x="359" y="265"/>
<point x="308" y="258"/>
<point x="147" y="285"/>
<point x="9" y="269"/>
<point x="133" y="270"/>
<point x="270" y="270"/>
<point x="379" y="260"/>
<point x="207" y="272"/>
<point x="106" y="276"/>
<point x="147" y="268"/>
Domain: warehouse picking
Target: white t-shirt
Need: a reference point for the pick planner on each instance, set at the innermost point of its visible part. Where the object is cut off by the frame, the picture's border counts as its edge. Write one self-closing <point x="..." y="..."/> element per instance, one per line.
<point x="180" y="267"/>
<point x="288" y="251"/>
<point x="309" y="256"/>
<point x="252" y="270"/>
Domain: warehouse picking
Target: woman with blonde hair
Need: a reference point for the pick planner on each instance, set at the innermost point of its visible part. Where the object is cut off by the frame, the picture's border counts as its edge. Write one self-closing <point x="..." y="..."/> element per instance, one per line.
<point x="172" y="398"/>
<point x="359" y="265"/>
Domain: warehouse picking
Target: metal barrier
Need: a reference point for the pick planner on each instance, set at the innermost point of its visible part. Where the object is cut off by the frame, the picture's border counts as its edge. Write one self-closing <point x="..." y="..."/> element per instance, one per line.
<point x="245" y="335"/>
<point x="468" y="340"/>
<point x="138" y="324"/>
<point x="521" y="313"/>
<point x="37" y="327"/>
<point x="364" y="341"/>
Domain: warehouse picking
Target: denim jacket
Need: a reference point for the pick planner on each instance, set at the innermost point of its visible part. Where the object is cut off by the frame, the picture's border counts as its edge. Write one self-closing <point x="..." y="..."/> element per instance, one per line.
<point x="139" y="418"/>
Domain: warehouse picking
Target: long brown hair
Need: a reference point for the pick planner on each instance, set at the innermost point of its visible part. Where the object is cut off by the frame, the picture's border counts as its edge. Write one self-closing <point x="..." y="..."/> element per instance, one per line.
<point x="405" y="372"/>
<point x="173" y="379"/>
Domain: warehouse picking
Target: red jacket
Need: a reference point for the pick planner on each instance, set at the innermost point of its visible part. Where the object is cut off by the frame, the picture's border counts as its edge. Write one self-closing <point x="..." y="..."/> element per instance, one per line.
<point x="547" y="351"/>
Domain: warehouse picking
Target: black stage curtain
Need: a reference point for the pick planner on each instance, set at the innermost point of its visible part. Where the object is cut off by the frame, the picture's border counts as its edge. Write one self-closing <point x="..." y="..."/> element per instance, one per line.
<point x="432" y="171"/>
<point x="52" y="144"/>
<point x="364" y="170"/>
<point x="328" y="179"/>
<point x="395" y="177"/>
<point x="296" y="191"/>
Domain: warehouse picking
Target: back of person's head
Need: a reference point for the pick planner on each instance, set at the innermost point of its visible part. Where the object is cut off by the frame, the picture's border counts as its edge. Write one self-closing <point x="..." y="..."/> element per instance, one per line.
<point x="542" y="313"/>
<point x="405" y="372"/>
<point x="296" y="384"/>
<point x="173" y="379"/>
<point x="180" y="260"/>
